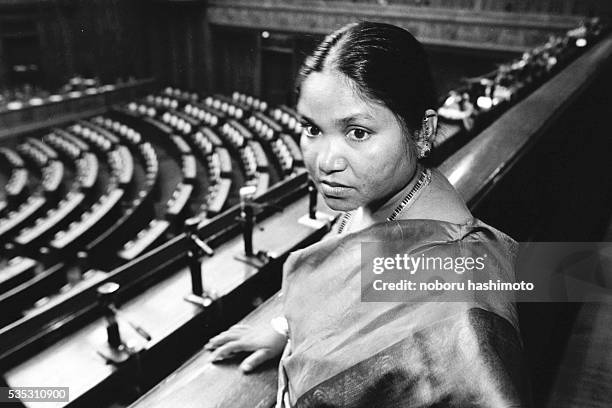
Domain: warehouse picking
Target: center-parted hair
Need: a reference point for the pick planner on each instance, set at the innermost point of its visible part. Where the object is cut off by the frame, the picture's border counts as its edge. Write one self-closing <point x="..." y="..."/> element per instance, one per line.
<point x="385" y="62"/>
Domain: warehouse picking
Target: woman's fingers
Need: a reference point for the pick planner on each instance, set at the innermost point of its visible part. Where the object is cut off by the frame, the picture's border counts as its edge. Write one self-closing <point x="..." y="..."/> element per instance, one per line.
<point x="263" y="343"/>
<point x="220" y="340"/>
<point x="228" y="349"/>
<point x="231" y="334"/>
<point x="255" y="359"/>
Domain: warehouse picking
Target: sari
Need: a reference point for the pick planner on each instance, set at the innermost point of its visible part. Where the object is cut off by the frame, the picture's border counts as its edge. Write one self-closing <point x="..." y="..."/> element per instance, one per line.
<point x="343" y="352"/>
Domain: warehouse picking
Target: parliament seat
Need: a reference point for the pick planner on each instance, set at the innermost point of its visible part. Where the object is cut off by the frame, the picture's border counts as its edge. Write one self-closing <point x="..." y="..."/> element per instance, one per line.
<point x="283" y="155"/>
<point x="17" y="183"/>
<point x="77" y="232"/>
<point x="35" y="158"/>
<point x="233" y="107"/>
<point x="226" y="105"/>
<point x="121" y="164"/>
<point x="212" y="136"/>
<point x="43" y="148"/>
<point x="217" y="196"/>
<point x="249" y="164"/>
<point x="180" y="94"/>
<point x="251" y="101"/>
<point x="151" y="163"/>
<point x="288" y="118"/>
<point x="52" y="220"/>
<point x="261" y="160"/>
<point x="52" y="177"/>
<point x="10" y="158"/>
<point x="144" y="239"/>
<point x="181" y="145"/>
<point x="232" y="136"/>
<point x="141" y="108"/>
<point x="264" y="126"/>
<point x="182" y="123"/>
<point x="179" y="200"/>
<point x="219" y="164"/>
<point x="237" y="125"/>
<point x="15" y="271"/>
<point x="76" y="141"/>
<point x="206" y="113"/>
<point x="294" y="149"/>
<point x="102" y="141"/>
<point x="162" y="101"/>
<point x="67" y="149"/>
<point x="189" y="168"/>
<point x="127" y="133"/>
<point x="203" y="143"/>
<point x="25" y="212"/>
<point x="87" y="168"/>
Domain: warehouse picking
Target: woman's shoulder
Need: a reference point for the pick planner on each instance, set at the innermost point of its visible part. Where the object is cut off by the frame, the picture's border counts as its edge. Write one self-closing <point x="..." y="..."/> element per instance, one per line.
<point x="440" y="201"/>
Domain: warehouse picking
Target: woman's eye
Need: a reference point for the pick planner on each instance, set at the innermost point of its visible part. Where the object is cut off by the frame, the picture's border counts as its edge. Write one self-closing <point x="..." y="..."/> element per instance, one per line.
<point x="311" y="130"/>
<point x="359" y="135"/>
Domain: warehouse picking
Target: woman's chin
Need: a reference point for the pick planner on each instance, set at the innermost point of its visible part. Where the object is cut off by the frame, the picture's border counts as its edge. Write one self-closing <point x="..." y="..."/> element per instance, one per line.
<point x="339" y="204"/>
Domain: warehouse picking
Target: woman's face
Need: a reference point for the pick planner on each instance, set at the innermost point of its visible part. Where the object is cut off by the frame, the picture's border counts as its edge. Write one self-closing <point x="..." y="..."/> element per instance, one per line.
<point x="355" y="150"/>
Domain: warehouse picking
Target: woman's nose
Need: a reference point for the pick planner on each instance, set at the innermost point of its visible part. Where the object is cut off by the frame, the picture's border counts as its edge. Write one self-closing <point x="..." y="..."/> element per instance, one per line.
<point x="331" y="157"/>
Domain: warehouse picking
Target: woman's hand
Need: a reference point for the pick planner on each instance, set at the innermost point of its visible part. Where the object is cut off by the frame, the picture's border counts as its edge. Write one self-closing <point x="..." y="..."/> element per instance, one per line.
<point x="265" y="343"/>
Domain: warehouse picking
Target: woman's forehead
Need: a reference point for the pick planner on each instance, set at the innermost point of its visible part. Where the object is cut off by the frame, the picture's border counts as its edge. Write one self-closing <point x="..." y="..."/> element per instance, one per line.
<point x="331" y="95"/>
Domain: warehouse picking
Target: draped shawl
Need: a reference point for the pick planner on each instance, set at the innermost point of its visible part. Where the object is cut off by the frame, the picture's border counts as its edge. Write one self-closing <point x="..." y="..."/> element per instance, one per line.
<point x="343" y="352"/>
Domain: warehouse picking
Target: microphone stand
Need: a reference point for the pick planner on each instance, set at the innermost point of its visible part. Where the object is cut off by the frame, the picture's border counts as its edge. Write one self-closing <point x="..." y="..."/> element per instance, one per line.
<point x="198" y="248"/>
<point x="247" y="221"/>
<point x="118" y="351"/>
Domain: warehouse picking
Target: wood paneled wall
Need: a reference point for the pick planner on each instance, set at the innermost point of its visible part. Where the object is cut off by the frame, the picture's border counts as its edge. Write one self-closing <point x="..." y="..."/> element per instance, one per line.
<point x="492" y="29"/>
<point x="452" y="27"/>
<point x="216" y="45"/>
<point x="551" y="7"/>
<point x="180" y="44"/>
<point x="104" y="38"/>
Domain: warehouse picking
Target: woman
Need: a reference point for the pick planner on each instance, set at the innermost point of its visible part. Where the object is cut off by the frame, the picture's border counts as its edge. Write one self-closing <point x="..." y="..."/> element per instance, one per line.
<point x="365" y="96"/>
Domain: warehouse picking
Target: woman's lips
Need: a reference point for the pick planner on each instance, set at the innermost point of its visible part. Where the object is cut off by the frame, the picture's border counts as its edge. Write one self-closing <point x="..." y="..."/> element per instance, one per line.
<point x="333" y="189"/>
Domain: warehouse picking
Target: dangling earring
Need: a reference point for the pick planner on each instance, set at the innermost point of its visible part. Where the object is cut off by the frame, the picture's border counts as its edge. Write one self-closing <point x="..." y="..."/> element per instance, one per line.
<point x="424" y="149"/>
<point x="424" y="141"/>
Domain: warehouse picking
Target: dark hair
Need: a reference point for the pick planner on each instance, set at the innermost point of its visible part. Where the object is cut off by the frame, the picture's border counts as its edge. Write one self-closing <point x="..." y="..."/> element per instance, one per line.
<point x="386" y="63"/>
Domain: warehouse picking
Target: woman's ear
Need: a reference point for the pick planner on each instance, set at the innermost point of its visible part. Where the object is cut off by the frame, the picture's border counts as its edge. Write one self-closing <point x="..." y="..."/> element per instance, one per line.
<point x="427" y="133"/>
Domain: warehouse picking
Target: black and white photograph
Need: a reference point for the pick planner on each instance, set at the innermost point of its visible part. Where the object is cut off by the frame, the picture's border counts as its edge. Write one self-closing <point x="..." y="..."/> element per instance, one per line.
<point x="306" y="204"/>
